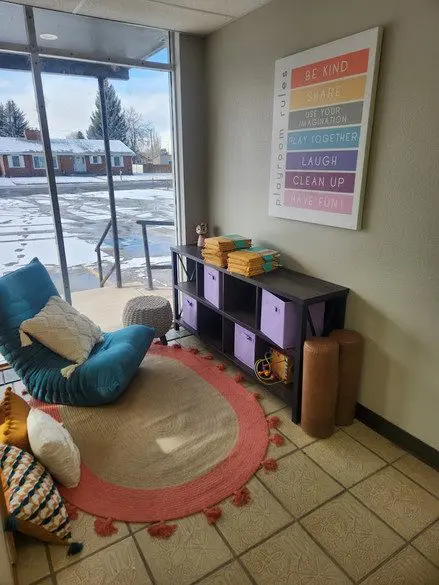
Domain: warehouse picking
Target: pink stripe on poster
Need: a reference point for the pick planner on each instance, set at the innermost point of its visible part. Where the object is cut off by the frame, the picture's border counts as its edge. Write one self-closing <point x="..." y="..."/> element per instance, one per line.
<point x="318" y="201"/>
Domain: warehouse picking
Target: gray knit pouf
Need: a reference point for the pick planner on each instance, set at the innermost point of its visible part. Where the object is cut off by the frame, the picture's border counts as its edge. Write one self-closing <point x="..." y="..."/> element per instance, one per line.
<point x="151" y="310"/>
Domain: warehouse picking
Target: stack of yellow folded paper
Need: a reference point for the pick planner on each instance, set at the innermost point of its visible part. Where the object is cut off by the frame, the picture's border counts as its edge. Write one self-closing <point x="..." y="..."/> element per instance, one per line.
<point x="254" y="261"/>
<point x="216" y="249"/>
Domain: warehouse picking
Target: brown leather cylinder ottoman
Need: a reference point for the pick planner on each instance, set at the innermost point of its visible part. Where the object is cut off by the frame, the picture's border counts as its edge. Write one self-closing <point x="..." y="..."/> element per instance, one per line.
<point x="319" y="386"/>
<point x="351" y="359"/>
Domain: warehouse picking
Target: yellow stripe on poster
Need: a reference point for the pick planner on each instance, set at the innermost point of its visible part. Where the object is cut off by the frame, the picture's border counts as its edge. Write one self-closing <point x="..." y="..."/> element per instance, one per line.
<point x="325" y="94"/>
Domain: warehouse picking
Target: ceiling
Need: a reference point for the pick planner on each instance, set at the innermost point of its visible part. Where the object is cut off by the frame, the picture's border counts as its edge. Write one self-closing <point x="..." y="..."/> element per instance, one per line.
<point x="191" y="16"/>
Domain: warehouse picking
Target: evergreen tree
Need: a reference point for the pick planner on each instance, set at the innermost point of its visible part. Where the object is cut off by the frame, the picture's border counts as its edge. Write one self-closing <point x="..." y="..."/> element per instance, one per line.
<point x="13" y="121"/>
<point x="77" y="135"/>
<point x="116" y="122"/>
<point x="2" y="120"/>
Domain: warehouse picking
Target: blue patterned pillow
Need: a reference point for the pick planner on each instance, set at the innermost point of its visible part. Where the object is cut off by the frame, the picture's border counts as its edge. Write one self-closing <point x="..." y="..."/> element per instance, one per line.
<point x="34" y="504"/>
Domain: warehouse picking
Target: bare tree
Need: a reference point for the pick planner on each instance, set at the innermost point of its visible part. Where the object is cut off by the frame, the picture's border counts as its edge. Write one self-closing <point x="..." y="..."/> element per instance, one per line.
<point x="153" y="145"/>
<point x="137" y="131"/>
<point x="142" y="137"/>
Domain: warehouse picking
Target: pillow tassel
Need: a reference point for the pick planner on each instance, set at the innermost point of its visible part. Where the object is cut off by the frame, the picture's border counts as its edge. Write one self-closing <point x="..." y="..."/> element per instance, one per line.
<point x="25" y="340"/>
<point x="68" y="370"/>
<point x="74" y="548"/>
<point x="11" y="524"/>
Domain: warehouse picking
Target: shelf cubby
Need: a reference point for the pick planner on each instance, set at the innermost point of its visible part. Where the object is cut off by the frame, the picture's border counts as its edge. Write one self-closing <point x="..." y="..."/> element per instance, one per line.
<point x="210" y="326"/>
<point x="239" y="300"/>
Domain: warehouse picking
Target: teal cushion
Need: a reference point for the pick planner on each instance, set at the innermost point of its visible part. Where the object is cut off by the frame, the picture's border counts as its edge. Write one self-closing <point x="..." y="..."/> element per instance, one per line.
<point x="101" y="379"/>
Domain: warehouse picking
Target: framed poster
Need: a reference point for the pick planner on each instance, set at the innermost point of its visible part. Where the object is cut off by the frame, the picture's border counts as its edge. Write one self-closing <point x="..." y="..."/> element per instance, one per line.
<point x="322" y="119"/>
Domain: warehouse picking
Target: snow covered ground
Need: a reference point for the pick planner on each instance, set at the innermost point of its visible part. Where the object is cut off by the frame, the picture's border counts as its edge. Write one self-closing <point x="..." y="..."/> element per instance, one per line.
<point x="26" y="231"/>
<point x="146" y="177"/>
<point x="18" y="181"/>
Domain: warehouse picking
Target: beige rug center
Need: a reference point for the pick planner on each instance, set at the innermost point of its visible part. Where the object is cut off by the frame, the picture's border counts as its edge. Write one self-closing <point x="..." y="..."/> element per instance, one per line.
<point x="169" y="427"/>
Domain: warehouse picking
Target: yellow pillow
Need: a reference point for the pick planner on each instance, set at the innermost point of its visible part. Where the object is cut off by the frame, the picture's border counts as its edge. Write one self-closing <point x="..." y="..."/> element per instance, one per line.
<point x="15" y="411"/>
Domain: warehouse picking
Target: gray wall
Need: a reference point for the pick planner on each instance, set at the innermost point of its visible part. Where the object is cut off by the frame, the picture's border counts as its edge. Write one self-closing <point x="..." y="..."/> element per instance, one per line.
<point x="190" y="102"/>
<point x="392" y="265"/>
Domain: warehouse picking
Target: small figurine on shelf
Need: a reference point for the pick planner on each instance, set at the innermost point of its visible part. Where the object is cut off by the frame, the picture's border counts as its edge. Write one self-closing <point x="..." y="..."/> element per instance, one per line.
<point x="201" y="230"/>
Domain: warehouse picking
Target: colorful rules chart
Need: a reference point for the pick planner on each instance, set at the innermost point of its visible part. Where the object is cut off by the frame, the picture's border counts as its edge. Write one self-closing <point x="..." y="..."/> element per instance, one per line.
<point x="321" y="130"/>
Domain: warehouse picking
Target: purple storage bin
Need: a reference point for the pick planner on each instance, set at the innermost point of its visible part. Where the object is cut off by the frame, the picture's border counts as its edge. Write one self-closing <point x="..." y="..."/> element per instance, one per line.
<point x="280" y="320"/>
<point x="189" y="314"/>
<point x="212" y="285"/>
<point x="245" y="346"/>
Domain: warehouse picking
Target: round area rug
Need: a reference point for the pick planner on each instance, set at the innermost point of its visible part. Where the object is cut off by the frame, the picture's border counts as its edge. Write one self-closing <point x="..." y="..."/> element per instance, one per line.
<point x="180" y="439"/>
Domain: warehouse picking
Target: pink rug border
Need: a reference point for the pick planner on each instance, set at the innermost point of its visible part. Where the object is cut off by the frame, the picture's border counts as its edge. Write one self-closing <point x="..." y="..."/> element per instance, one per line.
<point x="100" y="498"/>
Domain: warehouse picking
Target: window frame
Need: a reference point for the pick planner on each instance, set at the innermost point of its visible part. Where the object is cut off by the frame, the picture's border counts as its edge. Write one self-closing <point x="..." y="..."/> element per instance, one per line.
<point x="38" y="156"/>
<point x="55" y="162"/>
<point x="31" y="48"/>
<point x="98" y="157"/>
<point x="120" y="157"/>
<point x="21" y="163"/>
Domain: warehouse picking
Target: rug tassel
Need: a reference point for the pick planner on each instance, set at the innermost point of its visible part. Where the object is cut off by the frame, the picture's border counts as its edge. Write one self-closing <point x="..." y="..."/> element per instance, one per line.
<point x="72" y="511"/>
<point x="239" y="378"/>
<point x="161" y="530"/>
<point x="176" y="346"/>
<point x="241" y="497"/>
<point x="257" y="395"/>
<point x="277" y="439"/>
<point x="208" y="356"/>
<point x="212" y="514"/>
<point x="269" y="465"/>
<point x="221" y="367"/>
<point x="24" y="392"/>
<point x="105" y="527"/>
<point x="273" y="422"/>
<point x="194" y="350"/>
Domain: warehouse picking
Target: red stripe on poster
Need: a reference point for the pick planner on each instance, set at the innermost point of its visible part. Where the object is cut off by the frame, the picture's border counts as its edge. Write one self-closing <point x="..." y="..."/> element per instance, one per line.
<point x="329" y="69"/>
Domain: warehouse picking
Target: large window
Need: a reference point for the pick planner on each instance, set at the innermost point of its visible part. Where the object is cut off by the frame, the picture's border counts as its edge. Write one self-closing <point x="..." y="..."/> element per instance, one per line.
<point x="76" y="54"/>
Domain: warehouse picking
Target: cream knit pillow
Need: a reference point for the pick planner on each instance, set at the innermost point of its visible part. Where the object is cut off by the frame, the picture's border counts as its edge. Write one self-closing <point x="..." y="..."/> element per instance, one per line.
<point x="64" y="330"/>
<point x="53" y="446"/>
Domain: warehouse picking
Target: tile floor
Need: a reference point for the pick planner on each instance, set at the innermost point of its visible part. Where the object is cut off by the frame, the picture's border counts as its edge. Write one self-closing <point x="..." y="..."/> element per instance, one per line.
<point x="353" y="508"/>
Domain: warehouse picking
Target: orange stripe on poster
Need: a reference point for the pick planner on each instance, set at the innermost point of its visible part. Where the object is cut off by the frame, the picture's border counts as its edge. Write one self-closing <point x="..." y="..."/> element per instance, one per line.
<point x="329" y="69"/>
<point x="326" y="94"/>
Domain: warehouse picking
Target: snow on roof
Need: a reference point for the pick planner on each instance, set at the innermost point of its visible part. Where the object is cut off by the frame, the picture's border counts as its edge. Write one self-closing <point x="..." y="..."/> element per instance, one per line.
<point x="9" y="145"/>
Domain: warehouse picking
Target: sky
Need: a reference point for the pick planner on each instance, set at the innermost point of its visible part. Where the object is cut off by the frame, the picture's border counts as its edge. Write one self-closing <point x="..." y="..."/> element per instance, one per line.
<point x="71" y="99"/>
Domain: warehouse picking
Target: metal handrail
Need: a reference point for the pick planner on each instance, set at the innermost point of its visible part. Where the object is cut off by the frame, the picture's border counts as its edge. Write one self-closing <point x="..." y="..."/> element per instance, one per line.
<point x="103" y="279"/>
<point x="144" y="223"/>
<point x="104" y="235"/>
<point x="151" y="223"/>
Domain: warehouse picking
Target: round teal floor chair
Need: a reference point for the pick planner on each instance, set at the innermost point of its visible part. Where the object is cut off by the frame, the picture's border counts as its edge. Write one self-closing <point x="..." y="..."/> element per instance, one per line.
<point x="101" y="379"/>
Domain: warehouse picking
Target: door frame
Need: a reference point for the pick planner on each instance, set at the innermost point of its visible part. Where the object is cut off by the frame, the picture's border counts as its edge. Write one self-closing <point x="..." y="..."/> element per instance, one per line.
<point x="83" y="164"/>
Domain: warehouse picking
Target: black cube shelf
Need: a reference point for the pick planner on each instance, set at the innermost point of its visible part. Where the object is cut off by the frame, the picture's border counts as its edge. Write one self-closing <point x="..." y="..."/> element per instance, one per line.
<point x="240" y="304"/>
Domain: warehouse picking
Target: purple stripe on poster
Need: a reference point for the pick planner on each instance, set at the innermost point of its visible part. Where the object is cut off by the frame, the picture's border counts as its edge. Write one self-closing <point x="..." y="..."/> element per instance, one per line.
<point x="319" y="201"/>
<point x="323" y="160"/>
<point x="337" y="182"/>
